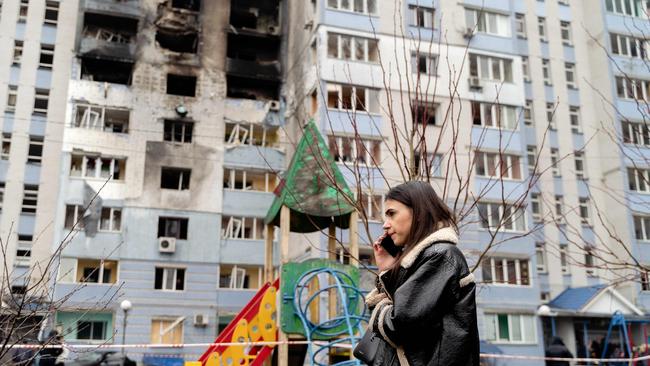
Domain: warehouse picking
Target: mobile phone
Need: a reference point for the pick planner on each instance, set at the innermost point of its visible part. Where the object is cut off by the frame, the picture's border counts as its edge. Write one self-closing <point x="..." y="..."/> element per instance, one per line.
<point x="389" y="245"/>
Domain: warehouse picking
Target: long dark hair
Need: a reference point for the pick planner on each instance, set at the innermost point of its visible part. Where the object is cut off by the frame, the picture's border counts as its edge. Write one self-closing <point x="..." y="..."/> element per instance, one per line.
<point x="430" y="213"/>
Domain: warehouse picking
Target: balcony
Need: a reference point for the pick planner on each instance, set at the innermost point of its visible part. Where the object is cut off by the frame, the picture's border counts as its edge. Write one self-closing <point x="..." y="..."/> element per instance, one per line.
<point x="252" y="69"/>
<point x="122" y="7"/>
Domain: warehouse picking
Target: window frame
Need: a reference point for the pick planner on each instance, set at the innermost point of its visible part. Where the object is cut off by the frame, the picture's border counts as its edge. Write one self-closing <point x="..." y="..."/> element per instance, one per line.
<point x="485" y="158"/>
<point x="479" y="20"/>
<point x="47" y="51"/>
<point x="555" y="163"/>
<point x="540" y="252"/>
<point x="520" y="26"/>
<point x="19" y="47"/>
<point x="30" y="199"/>
<point x="542" y="29"/>
<point x="579" y="160"/>
<point x="368" y="57"/>
<point x="419" y="15"/>
<point x="51" y="7"/>
<point x="638" y="180"/>
<point x="98" y="163"/>
<point x="524" y="321"/>
<point x="570" y="74"/>
<point x="35" y="141"/>
<point x="546" y="72"/>
<point x="476" y="68"/>
<point x="515" y="214"/>
<point x="41" y="96"/>
<point x="497" y="113"/>
<point x="12" y="98"/>
<point x="635" y="133"/>
<point x="351" y="7"/>
<point x="584" y="211"/>
<point x="370" y="103"/>
<point x="165" y="277"/>
<point x="565" y="33"/>
<point x="505" y="261"/>
<point x="111" y="220"/>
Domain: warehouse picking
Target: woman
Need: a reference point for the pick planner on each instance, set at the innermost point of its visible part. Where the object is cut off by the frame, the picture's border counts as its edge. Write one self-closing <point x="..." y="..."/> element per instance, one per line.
<point x="424" y="308"/>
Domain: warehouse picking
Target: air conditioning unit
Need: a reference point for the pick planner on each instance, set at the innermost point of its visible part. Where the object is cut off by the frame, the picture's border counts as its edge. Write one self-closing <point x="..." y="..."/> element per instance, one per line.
<point x="200" y="320"/>
<point x="167" y="244"/>
<point x="274" y="105"/>
<point x="475" y="83"/>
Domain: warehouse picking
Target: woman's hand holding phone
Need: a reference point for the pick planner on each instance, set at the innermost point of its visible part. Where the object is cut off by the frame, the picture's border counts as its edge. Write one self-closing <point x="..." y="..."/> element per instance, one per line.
<point x="383" y="259"/>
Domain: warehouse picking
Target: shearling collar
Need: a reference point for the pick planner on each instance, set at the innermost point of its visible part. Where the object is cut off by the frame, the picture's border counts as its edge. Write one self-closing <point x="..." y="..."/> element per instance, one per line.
<point x="444" y="234"/>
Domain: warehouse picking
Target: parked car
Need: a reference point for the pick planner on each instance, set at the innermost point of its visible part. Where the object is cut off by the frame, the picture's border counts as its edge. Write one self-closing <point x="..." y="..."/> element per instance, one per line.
<point x="101" y="358"/>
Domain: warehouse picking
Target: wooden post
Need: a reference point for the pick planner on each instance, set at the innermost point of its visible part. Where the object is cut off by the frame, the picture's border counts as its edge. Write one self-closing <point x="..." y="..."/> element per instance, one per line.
<point x="354" y="238"/>
<point x="285" y="228"/>
<point x="268" y="254"/>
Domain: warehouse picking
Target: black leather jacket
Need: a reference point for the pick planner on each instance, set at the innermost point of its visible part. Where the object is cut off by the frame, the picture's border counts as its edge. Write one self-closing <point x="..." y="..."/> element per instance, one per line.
<point x="427" y="315"/>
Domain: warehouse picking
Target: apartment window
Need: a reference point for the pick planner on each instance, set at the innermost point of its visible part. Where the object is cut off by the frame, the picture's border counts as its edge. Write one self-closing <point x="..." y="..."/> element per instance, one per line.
<point x="520" y="25"/>
<point x="546" y="71"/>
<point x="91" y="330"/>
<point x="424" y="113"/>
<point x="353" y="48"/>
<point x="628" y="46"/>
<point x="429" y="167"/>
<point x="107" y="119"/>
<point x="357" y="6"/>
<point x="487" y="22"/>
<point x="639" y="180"/>
<point x="506" y="217"/>
<point x="249" y="228"/>
<point x="579" y="159"/>
<point x="645" y="280"/>
<point x="494" y="115"/>
<point x="96" y="271"/>
<point x="585" y="217"/>
<point x="636" y="133"/>
<point x="528" y="113"/>
<point x="570" y="73"/>
<point x="178" y="131"/>
<point x="173" y="227"/>
<point x="634" y="8"/>
<point x="373" y="206"/>
<point x="525" y="68"/>
<point x="421" y="17"/>
<point x="541" y="27"/>
<point x="41" y="100"/>
<point x="175" y="178"/>
<point x="169" y="279"/>
<point x="22" y="11"/>
<point x="74" y="217"/>
<point x="92" y="166"/>
<point x="348" y="149"/>
<point x="18" y="53"/>
<point x="47" y="57"/>
<point x="531" y="158"/>
<point x="51" y="12"/>
<point x="559" y="208"/>
<point x="167" y="331"/>
<point x="250" y="134"/>
<point x="490" y="68"/>
<point x="564" y="258"/>
<point x="565" y="33"/>
<point x="182" y="85"/>
<point x="2" y="193"/>
<point x="249" y="180"/>
<point x="240" y="277"/>
<point x="6" y="145"/>
<point x="540" y="257"/>
<point x="627" y="88"/>
<point x="563" y="2"/>
<point x="494" y="164"/>
<point x="23" y="256"/>
<point x="30" y="199"/>
<point x="550" y="116"/>
<point x="111" y="219"/>
<point x="536" y="206"/>
<point x="423" y="63"/>
<point x="506" y="271"/>
<point x="355" y="98"/>
<point x="642" y="227"/>
<point x="510" y="328"/>
<point x="574" y="118"/>
<point x="12" y="97"/>
<point x="35" y="150"/>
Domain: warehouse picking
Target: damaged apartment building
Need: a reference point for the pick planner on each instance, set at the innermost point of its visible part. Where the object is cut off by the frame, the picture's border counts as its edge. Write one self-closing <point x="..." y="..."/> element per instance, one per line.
<point x="171" y="152"/>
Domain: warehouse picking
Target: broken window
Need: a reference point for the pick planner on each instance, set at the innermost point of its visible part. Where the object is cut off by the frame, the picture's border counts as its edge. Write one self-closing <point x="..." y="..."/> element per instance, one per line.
<point x="103" y="70"/>
<point x="6" y="145"/>
<point x="177" y="41"/>
<point x="348" y="97"/>
<point x="251" y="88"/>
<point x="251" y="134"/>
<point x="89" y="166"/>
<point x="51" y="12"/>
<point x="41" y="100"/>
<point x="173" y="227"/>
<point x="111" y="219"/>
<point x="171" y="279"/>
<point x="22" y="11"/>
<point x="74" y="217"/>
<point x="18" y="53"/>
<point x="181" y="85"/>
<point x="175" y="178"/>
<point x="347" y="148"/>
<point x="109" y="28"/>
<point x="102" y="118"/>
<point x="250" y="228"/>
<point x="96" y="271"/>
<point x="194" y="5"/>
<point x="178" y="131"/>
<point x="240" y="277"/>
<point x="30" y="199"/>
<point x="258" y="181"/>
<point x="47" y="57"/>
<point x="424" y="113"/>
<point x="35" y="151"/>
<point x="346" y="47"/>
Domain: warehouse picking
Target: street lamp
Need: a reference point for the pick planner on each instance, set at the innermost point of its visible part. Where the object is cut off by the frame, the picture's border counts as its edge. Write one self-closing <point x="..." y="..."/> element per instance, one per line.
<point x="125" y="305"/>
<point x="545" y="310"/>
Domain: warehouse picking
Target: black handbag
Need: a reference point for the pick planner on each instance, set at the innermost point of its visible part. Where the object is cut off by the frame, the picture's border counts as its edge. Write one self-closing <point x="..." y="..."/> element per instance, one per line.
<point x="366" y="349"/>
